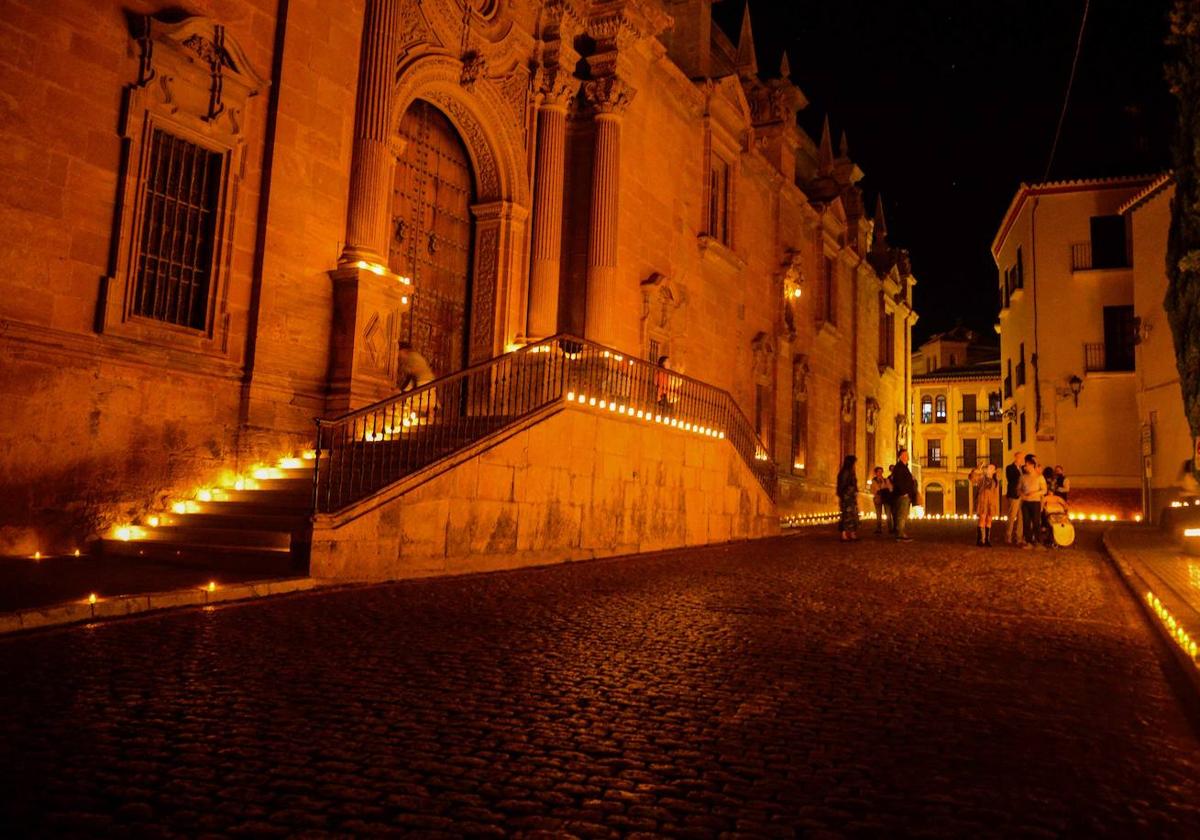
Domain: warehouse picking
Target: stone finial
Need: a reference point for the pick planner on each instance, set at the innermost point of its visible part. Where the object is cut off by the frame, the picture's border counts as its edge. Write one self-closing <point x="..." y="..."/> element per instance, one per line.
<point x="785" y="67"/>
<point x="880" y="222"/>
<point x="843" y="146"/>
<point x="825" y="151"/>
<point x="747" y="59"/>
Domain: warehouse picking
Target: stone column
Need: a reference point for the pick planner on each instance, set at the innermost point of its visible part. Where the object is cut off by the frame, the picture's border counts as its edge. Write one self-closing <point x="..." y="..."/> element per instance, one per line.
<point x="373" y="160"/>
<point x="546" y="268"/>
<point x="609" y="97"/>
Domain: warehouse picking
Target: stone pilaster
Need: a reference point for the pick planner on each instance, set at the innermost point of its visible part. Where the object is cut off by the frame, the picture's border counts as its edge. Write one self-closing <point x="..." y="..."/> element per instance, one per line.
<point x="373" y="160"/>
<point x="546" y="268"/>
<point x="609" y="96"/>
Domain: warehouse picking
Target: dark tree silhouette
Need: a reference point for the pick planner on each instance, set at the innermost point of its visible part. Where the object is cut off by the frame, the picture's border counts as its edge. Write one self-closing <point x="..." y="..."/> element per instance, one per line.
<point x="1183" y="242"/>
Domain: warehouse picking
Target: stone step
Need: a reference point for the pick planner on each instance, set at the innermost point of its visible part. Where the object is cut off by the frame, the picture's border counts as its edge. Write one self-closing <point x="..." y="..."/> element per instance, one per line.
<point x="269" y="562"/>
<point x="287" y="522"/>
<point x="252" y="507"/>
<point x="289" y="499"/>
<point x="207" y="535"/>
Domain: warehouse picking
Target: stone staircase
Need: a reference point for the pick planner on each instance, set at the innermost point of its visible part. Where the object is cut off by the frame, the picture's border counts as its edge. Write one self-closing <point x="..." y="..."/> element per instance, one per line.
<point x="260" y="522"/>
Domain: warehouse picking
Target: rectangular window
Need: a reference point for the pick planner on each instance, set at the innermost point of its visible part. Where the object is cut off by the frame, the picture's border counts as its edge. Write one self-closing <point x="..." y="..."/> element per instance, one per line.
<point x="1119" y="335"/>
<point x="1022" y="427"/>
<point x="799" y="437"/>
<point x="970" y="453"/>
<point x="175" y="259"/>
<point x="1020" y="270"/>
<point x="995" y="451"/>
<point x="869" y="455"/>
<point x="1108" y="242"/>
<point x="933" y="453"/>
<point x="1010" y="440"/>
<point x="970" y="414"/>
<point x="718" y="200"/>
<point x="1021" y="367"/>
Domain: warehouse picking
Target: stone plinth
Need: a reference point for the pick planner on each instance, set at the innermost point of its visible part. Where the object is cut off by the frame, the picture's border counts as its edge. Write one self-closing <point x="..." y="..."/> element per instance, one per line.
<point x="367" y="307"/>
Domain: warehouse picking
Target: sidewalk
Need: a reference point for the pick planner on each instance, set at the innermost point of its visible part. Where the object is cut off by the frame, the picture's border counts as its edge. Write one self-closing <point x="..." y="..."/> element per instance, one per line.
<point x="1166" y="582"/>
<point x="59" y="590"/>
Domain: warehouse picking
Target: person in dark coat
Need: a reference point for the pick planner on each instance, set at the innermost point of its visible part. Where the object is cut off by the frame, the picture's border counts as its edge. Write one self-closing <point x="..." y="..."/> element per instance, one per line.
<point x="847" y="490"/>
<point x="904" y="493"/>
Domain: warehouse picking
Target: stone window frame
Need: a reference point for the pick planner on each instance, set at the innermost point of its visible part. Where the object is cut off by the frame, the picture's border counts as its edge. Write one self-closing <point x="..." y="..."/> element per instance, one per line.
<point x="194" y="83"/>
<point x="721" y="147"/>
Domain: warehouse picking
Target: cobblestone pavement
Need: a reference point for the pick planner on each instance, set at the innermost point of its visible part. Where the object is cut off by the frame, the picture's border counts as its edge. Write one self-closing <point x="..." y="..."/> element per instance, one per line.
<point x="789" y="687"/>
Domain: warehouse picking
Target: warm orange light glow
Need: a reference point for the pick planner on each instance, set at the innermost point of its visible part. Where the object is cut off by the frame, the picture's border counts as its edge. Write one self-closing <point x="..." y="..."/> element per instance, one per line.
<point x="1191" y="532"/>
<point x="92" y="598"/>
<point x="124" y="533"/>
<point x="77" y="552"/>
<point x="290" y="463"/>
<point x="37" y="555"/>
<point x="204" y="495"/>
<point x="212" y="586"/>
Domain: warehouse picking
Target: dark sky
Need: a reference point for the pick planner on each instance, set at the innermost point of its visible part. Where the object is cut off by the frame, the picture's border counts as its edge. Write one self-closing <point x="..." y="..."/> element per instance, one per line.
<point x="949" y="105"/>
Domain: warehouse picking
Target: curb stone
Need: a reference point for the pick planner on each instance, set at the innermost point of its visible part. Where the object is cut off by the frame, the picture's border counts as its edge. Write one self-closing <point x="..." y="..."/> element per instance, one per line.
<point x="123" y="606"/>
<point x="1137" y="585"/>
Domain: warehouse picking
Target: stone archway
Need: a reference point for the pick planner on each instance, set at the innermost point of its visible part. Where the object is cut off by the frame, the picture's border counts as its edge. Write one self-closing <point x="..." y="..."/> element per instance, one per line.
<point x="502" y="195"/>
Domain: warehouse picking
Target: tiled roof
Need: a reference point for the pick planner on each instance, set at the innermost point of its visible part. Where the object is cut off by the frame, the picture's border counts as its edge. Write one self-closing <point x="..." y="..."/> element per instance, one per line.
<point x="1154" y="188"/>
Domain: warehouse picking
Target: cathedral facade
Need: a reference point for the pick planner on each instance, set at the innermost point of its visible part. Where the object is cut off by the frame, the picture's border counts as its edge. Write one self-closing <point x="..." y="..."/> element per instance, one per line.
<point x="219" y="223"/>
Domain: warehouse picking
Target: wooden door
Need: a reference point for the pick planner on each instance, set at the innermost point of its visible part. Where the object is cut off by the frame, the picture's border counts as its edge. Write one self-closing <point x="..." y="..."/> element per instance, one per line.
<point x="432" y="236"/>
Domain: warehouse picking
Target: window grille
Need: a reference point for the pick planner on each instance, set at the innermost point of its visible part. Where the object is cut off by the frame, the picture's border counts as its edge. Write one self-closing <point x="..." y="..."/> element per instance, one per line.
<point x="175" y="258"/>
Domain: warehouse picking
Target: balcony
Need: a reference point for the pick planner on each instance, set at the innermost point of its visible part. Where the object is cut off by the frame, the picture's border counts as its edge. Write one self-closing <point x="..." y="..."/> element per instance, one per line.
<point x="1101" y="358"/>
<point x="936" y="462"/>
<point x="980" y="415"/>
<point x="1082" y="258"/>
<point x="967" y="462"/>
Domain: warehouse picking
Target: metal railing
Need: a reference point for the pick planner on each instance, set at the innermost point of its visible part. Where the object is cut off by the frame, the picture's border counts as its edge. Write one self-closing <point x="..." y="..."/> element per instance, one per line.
<point x="1098" y="357"/>
<point x="967" y="462"/>
<point x="936" y="462"/>
<point x="1082" y="259"/>
<point x="361" y="453"/>
<point x="979" y="415"/>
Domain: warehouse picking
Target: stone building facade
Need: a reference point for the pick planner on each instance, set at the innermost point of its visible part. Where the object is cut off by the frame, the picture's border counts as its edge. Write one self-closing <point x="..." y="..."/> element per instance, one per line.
<point x="218" y="221"/>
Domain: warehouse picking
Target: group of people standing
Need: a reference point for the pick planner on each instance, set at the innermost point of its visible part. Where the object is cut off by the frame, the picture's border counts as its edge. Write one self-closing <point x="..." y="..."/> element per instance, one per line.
<point x="894" y="496"/>
<point x="1033" y="493"/>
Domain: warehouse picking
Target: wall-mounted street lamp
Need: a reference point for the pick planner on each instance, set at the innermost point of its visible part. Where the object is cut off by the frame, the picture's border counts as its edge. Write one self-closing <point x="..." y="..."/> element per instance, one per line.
<point x="1076" y="385"/>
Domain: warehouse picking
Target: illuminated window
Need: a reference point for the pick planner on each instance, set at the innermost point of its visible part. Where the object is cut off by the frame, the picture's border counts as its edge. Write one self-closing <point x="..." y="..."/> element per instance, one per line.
<point x="799" y="437"/>
<point x="939" y="408"/>
<point x="926" y="409"/>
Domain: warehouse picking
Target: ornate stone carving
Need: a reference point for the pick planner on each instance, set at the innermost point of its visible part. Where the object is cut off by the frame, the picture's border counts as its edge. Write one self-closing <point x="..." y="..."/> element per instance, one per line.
<point x="609" y="95"/>
<point x="414" y="29"/>
<point x="763" y="348"/>
<point x="664" y="309"/>
<point x="557" y="87"/>
<point x="800" y="373"/>
<point x="872" y="413"/>
<point x="484" y="304"/>
<point x="901" y="430"/>
<point x="849" y="400"/>
<point x="474" y="68"/>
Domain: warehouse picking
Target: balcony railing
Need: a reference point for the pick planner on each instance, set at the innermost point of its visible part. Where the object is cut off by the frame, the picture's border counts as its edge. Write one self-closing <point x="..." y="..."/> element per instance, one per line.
<point x="936" y="462"/>
<point x="1099" y="357"/>
<point x="979" y="415"/>
<point x="967" y="462"/>
<point x="1081" y="258"/>
<point x="361" y="453"/>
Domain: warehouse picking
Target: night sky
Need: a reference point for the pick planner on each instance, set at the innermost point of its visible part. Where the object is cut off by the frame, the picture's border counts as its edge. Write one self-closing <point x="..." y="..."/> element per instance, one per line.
<point x="949" y="105"/>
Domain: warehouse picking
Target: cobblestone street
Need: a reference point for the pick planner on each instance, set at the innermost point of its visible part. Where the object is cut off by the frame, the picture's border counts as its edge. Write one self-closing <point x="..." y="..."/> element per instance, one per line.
<point x="779" y="688"/>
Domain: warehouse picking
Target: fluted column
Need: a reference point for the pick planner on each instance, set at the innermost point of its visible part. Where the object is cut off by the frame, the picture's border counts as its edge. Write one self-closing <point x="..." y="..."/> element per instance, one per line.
<point x="546" y="268"/>
<point x="610" y="97"/>
<point x="372" y="162"/>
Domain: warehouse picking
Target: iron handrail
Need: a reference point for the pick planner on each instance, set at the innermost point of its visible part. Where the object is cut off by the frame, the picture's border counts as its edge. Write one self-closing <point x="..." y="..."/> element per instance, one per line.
<point x="366" y="450"/>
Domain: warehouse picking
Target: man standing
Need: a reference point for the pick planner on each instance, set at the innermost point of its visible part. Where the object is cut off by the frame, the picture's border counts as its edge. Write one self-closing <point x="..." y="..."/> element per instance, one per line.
<point x="1012" y="478"/>
<point x="881" y="491"/>
<point x="904" y="491"/>
<point x="1032" y="488"/>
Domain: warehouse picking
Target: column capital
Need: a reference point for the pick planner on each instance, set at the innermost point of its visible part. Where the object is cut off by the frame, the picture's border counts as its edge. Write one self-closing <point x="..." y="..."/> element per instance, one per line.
<point x="609" y="95"/>
<point x="557" y="88"/>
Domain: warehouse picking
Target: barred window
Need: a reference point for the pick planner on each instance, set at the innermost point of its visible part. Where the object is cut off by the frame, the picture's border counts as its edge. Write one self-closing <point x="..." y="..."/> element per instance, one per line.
<point x="718" y="201"/>
<point x="179" y="217"/>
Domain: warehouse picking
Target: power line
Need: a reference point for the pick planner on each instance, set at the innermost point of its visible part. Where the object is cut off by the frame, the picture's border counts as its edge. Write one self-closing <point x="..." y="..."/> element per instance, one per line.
<point x="1070" y="82"/>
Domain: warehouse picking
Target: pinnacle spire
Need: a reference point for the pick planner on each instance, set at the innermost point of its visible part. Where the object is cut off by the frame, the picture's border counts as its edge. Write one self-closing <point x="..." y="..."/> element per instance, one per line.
<point x="880" y="222"/>
<point x="843" y="146"/>
<point x="785" y="67"/>
<point x="825" y="152"/>
<point x="747" y="60"/>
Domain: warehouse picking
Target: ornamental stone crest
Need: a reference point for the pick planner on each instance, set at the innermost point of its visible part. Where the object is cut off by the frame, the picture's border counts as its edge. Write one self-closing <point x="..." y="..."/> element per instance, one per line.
<point x="800" y="373"/>
<point x="849" y="400"/>
<point x="763" y="348"/>
<point x="872" y="413"/>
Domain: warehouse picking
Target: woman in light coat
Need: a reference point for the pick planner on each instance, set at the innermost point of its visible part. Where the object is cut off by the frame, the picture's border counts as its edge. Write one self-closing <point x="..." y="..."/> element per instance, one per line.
<point x="987" y="503"/>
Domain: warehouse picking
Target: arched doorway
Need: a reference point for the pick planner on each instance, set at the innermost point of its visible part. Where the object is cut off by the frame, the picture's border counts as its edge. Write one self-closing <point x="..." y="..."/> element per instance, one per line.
<point x="934" y="503"/>
<point x="432" y="234"/>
